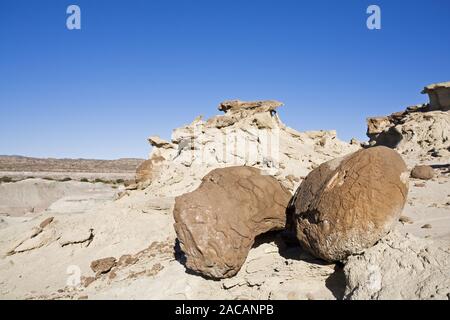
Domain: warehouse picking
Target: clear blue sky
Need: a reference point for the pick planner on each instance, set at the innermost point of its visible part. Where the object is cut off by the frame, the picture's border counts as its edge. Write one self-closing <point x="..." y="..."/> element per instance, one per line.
<point x="138" y="68"/>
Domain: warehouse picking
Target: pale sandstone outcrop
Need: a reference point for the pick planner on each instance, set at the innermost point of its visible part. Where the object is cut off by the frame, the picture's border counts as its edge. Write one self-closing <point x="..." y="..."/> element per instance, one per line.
<point x="439" y="94"/>
<point x="159" y="143"/>
<point x="347" y="204"/>
<point x="33" y="196"/>
<point x="400" y="267"/>
<point x="148" y="170"/>
<point x="418" y="134"/>
<point x="250" y="134"/>
<point x="217" y="223"/>
<point x="376" y="125"/>
<point x="421" y="132"/>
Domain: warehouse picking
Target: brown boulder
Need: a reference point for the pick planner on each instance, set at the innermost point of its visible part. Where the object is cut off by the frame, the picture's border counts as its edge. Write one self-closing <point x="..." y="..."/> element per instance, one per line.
<point x="103" y="265"/>
<point x="148" y="169"/>
<point x="422" y="172"/>
<point x="439" y="94"/>
<point x="217" y="223"/>
<point x="157" y="142"/>
<point x="347" y="204"/>
<point x="376" y="125"/>
<point x="259" y="113"/>
<point x="257" y="106"/>
<point x="46" y="222"/>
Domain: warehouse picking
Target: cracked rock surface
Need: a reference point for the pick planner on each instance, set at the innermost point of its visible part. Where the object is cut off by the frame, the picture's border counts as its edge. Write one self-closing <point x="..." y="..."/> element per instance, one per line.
<point x="347" y="204"/>
<point x="217" y="223"/>
<point x="400" y="267"/>
<point x="249" y="133"/>
<point x="418" y="134"/>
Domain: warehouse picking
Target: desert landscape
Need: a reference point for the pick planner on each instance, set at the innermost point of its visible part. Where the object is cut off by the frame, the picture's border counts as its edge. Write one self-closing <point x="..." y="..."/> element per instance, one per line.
<point x="239" y="206"/>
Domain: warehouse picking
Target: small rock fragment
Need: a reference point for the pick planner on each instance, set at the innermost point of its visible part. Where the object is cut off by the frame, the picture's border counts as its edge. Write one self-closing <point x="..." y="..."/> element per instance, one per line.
<point x="103" y="265"/>
<point x="405" y="219"/>
<point x="419" y="185"/>
<point x="422" y="172"/>
<point x="46" y="222"/>
<point x="86" y="281"/>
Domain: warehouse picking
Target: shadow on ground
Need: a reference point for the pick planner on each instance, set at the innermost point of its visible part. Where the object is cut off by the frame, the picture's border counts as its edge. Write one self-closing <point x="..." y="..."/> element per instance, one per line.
<point x="288" y="248"/>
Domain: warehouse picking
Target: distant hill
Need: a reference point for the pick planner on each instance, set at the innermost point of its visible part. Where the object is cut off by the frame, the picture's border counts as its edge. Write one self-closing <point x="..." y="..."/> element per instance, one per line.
<point x="21" y="163"/>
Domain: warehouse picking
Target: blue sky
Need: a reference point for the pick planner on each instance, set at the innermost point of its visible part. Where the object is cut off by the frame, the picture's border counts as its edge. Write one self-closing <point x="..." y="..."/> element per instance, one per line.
<point x="138" y="68"/>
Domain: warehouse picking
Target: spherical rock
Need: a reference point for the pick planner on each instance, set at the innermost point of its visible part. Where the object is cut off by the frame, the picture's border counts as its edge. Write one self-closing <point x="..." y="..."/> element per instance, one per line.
<point x="347" y="204"/>
<point x="422" y="172"/>
<point x="217" y="224"/>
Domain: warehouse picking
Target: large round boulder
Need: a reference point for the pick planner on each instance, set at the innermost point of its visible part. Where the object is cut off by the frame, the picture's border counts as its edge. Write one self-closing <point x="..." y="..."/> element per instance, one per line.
<point x="217" y="224"/>
<point x="347" y="204"/>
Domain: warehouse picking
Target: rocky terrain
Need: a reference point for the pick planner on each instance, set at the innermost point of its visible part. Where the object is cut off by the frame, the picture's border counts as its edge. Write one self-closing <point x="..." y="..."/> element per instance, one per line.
<point x="32" y="196"/>
<point x="417" y="134"/>
<point x="18" y="168"/>
<point x="240" y="206"/>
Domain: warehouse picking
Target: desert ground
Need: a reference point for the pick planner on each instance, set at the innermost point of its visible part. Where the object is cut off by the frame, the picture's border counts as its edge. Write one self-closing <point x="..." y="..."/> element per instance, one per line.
<point x="92" y="229"/>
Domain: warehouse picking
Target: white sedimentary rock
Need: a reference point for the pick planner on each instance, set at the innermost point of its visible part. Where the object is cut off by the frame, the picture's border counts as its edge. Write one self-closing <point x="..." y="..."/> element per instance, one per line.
<point x="400" y="267"/>
<point x="248" y="134"/>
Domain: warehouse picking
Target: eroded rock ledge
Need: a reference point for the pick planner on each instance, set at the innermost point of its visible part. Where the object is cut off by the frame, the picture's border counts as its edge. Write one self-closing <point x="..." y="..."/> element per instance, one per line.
<point x="249" y="133"/>
<point x="421" y="132"/>
<point x="399" y="267"/>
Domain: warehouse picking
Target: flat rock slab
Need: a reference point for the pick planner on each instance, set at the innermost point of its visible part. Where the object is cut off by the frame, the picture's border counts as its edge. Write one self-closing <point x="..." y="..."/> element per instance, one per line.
<point x="400" y="267"/>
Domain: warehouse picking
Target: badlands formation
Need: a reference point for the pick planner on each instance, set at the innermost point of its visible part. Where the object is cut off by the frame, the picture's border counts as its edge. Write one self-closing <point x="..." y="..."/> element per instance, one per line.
<point x="240" y="206"/>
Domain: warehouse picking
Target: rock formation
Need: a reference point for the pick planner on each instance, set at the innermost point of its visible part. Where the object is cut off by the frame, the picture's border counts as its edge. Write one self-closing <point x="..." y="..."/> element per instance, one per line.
<point x="421" y="132"/>
<point x="399" y="267"/>
<point x="347" y="204"/>
<point x="439" y="94"/>
<point x="248" y="133"/>
<point x="103" y="265"/>
<point x="422" y="172"/>
<point x="217" y="223"/>
<point x="41" y="250"/>
<point x="159" y="143"/>
<point x="148" y="169"/>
